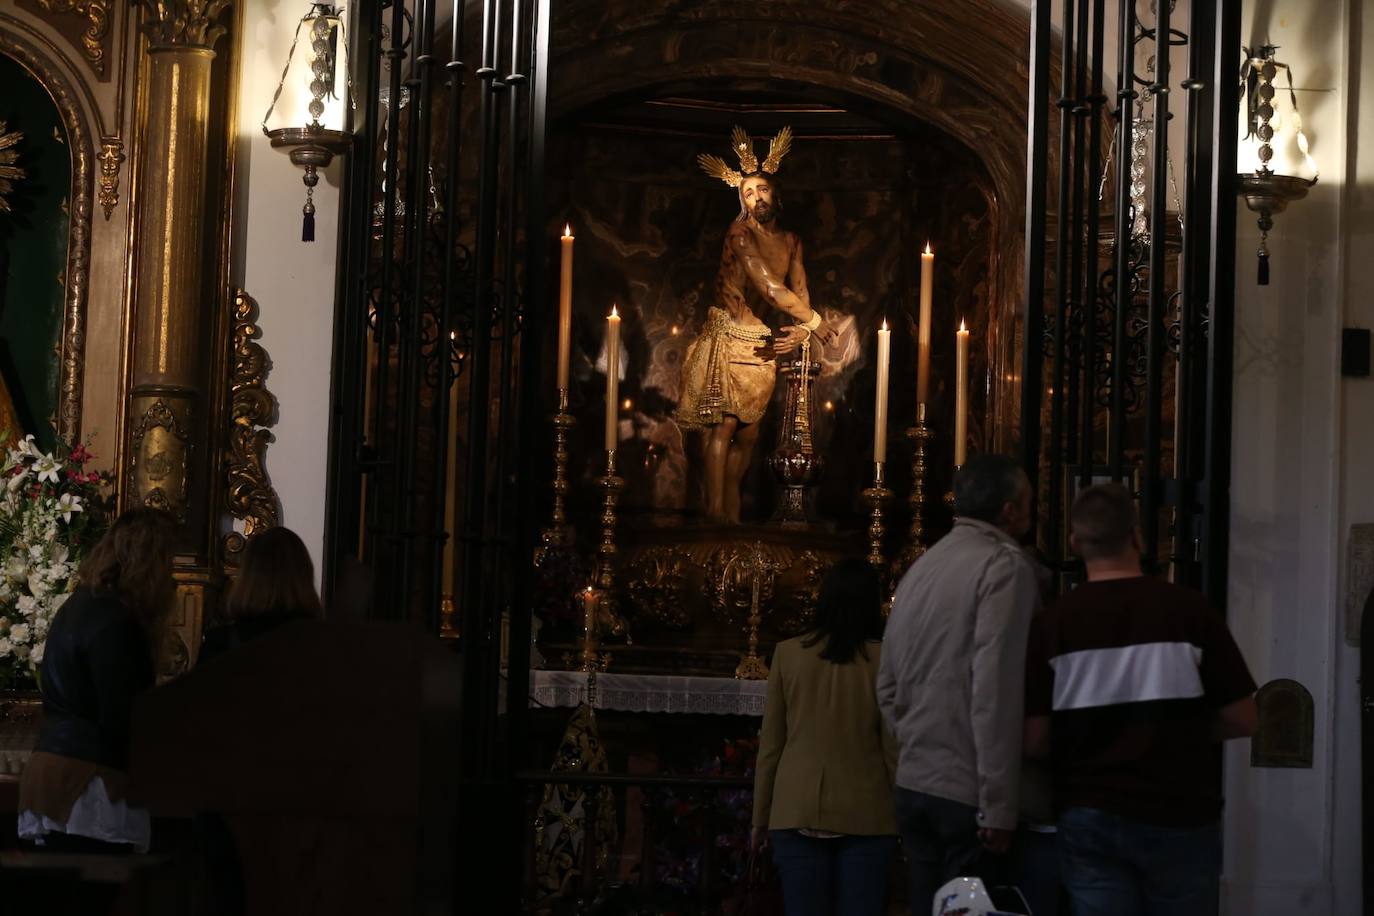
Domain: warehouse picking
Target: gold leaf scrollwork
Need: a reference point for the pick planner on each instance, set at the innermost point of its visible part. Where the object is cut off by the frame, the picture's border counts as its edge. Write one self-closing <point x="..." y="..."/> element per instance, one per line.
<point x="161" y="447"/>
<point x="97" y="16"/>
<point x="10" y="172"/>
<point x="111" y="157"/>
<point x="657" y="585"/>
<point x="249" y="497"/>
<point x="182" y="23"/>
<point x="731" y="573"/>
<point x="810" y="569"/>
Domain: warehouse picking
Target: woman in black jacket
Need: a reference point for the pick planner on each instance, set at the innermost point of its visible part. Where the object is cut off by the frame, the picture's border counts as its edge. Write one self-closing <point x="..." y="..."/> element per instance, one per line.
<point x="98" y="656"/>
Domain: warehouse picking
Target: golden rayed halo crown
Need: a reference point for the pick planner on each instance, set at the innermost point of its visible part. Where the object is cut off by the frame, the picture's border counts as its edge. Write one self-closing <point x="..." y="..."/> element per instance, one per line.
<point x="743" y="146"/>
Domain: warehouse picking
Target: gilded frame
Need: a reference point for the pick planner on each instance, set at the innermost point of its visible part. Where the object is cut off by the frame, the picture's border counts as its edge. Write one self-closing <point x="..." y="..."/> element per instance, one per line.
<point x="72" y="344"/>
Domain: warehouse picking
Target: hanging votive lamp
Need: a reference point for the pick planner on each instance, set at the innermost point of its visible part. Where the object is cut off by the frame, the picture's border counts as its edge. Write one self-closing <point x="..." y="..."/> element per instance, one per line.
<point x="312" y="102"/>
<point x="1273" y="147"/>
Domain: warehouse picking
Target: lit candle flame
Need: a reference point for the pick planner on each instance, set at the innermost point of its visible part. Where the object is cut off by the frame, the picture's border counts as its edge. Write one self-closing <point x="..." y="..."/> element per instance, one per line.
<point x="884" y="324"/>
<point x="962" y="328"/>
<point x="567" y="230"/>
<point x="614" y="313"/>
<point x="928" y="251"/>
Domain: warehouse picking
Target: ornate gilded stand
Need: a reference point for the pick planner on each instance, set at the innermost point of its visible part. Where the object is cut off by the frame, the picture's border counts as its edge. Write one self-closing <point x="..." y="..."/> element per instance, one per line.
<point x="920" y="434"/>
<point x="795" y="462"/>
<point x="558" y="533"/>
<point x="875" y="496"/>
<point x="752" y="667"/>
<point x="602" y="614"/>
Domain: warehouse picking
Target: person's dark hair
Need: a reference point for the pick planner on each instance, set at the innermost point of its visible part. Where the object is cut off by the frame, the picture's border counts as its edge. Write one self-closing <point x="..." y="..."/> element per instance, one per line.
<point x="1102" y="520"/>
<point x="276" y="576"/>
<point x="849" y="612"/>
<point x="986" y="483"/>
<point x="133" y="563"/>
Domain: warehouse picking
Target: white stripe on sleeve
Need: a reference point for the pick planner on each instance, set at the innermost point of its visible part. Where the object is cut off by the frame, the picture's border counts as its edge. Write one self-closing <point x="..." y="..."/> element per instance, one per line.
<point x="1128" y="674"/>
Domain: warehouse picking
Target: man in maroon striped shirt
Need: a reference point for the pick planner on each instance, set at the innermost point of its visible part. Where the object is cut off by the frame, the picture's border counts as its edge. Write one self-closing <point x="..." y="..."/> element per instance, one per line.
<point x="1131" y="682"/>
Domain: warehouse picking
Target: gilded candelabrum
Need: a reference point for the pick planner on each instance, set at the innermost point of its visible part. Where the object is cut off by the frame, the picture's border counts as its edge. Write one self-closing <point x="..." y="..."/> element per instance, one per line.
<point x="876" y="496"/>
<point x="752" y="667"/>
<point x="920" y="435"/>
<point x="559" y="533"/>
<point x="752" y="566"/>
<point x="605" y="616"/>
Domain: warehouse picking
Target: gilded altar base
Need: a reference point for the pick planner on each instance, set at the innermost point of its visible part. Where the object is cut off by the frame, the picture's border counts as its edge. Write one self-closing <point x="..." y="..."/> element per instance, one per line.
<point x="687" y="594"/>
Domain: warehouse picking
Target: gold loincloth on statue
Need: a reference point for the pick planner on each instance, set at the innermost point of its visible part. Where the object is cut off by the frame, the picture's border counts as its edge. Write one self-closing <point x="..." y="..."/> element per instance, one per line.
<point x="723" y="375"/>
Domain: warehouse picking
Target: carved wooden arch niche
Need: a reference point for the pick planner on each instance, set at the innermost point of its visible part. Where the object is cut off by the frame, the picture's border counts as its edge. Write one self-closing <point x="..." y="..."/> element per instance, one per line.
<point x="959" y="68"/>
<point x="43" y="65"/>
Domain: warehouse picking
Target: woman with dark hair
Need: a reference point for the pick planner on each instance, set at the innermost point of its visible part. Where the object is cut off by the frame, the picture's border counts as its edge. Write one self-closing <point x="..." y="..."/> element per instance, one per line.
<point x="275" y="585"/>
<point x="823" y="783"/>
<point x="99" y="654"/>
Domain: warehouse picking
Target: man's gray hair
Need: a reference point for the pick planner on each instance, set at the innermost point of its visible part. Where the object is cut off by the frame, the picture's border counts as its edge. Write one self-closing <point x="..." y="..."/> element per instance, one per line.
<point x="985" y="484"/>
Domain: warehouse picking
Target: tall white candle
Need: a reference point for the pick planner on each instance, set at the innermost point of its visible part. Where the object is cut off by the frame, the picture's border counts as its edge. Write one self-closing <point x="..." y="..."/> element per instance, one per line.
<point x="880" y="398"/>
<point x="923" y="331"/>
<point x="961" y="395"/>
<point x="565" y="278"/>
<point x="612" y="380"/>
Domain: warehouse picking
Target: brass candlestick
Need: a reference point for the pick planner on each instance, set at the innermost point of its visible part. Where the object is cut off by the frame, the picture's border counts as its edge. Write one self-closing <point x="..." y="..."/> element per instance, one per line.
<point x="876" y="496"/>
<point x="448" y="611"/>
<point x="559" y="533"/>
<point x="610" y="485"/>
<point x="607" y="617"/>
<point x="920" y="434"/>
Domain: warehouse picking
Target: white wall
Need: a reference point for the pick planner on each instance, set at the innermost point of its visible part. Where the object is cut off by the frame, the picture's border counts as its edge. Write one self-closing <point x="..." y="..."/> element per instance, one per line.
<point x="292" y="281"/>
<point x="1292" y="835"/>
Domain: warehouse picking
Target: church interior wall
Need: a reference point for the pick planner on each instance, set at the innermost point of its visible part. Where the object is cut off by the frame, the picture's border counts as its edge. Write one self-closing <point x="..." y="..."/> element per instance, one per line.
<point x="1292" y="835"/>
<point x="292" y="281"/>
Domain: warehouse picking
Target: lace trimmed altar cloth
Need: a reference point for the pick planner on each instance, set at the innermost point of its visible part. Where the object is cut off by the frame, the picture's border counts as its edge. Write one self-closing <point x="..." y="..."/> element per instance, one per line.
<point x="724" y="696"/>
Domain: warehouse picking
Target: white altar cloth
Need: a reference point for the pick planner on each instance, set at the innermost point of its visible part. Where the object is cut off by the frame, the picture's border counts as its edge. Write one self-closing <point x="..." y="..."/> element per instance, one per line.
<point x="725" y="696"/>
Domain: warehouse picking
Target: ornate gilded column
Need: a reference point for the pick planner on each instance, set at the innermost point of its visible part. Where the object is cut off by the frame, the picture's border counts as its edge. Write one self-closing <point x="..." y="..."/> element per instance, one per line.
<point x="169" y="372"/>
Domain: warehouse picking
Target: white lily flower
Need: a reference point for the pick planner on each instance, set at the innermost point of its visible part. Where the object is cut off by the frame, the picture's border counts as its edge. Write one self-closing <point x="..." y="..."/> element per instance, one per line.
<point x="46" y="467"/>
<point x="68" y="503"/>
<point x="29" y="448"/>
<point x="15" y="483"/>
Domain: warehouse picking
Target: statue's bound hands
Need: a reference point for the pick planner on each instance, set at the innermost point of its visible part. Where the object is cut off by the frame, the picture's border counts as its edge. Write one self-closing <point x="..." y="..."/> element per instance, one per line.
<point x="785" y="341"/>
<point x="825" y="334"/>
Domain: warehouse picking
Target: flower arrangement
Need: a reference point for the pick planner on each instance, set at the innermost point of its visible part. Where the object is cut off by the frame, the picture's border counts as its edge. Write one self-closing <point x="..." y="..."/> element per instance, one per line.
<point x="52" y="509"/>
<point x="721" y="819"/>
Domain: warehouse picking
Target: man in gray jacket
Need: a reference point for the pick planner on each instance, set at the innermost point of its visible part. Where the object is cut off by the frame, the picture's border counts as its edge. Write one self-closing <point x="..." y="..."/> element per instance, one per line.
<point x="951" y="682"/>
